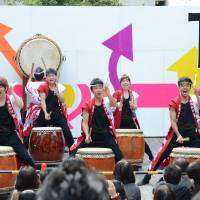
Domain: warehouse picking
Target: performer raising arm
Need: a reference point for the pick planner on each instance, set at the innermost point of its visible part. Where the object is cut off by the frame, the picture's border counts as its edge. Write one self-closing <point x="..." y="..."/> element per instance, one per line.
<point x="53" y="110"/>
<point x="125" y="116"/>
<point x="183" y="117"/>
<point x="97" y="123"/>
<point x="10" y="121"/>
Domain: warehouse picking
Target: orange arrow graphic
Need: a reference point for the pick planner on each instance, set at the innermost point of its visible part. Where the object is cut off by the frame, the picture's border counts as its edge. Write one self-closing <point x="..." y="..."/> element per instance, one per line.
<point x="7" y="50"/>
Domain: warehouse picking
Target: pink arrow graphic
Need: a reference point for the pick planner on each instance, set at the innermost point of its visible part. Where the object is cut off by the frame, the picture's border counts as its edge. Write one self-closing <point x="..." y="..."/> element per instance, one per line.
<point x="121" y="45"/>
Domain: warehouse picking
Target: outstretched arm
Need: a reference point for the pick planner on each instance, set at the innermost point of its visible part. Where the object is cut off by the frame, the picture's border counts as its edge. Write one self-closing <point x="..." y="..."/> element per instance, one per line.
<point x="174" y="125"/>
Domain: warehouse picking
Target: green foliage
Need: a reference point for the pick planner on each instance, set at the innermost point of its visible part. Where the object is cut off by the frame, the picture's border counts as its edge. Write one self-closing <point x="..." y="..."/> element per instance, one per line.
<point x="64" y="2"/>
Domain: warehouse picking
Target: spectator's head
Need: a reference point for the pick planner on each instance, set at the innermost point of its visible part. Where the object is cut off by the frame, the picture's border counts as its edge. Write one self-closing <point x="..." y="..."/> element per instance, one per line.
<point x="172" y="174"/>
<point x="71" y="165"/>
<point x="44" y="174"/>
<point x="39" y="74"/>
<point x="124" y="172"/>
<point x="27" y="179"/>
<point x="119" y="186"/>
<point x="27" y="195"/>
<point x="163" y="192"/>
<point x="194" y="171"/>
<point x="182" y="163"/>
<point x="82" y="184"/>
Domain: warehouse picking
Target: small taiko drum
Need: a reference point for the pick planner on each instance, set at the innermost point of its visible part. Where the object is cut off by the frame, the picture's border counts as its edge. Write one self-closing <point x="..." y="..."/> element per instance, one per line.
<point x="131" y="143"/>
<point x="101" y="159"/>
<point x="40" y="51"/>
<point x="190" y="154"/>
<point x="8" y="161"/>
<point x="46" y="144"/>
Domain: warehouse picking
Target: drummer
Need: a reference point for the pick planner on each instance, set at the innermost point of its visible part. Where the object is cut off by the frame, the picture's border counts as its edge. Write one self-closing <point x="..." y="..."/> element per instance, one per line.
<point x="124" y="115"/>
<point x="53" y="112"/>
<point x="97" y="121"/>
<point x="183" y="117"/>
<point x="33" y="100"/>
<point x="10" y="122"/>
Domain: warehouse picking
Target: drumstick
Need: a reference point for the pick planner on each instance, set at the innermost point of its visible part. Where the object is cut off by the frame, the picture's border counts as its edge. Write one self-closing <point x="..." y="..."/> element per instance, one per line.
<point x="32" y="67"/>
<point x="45" y="67"/>
<point x="187" y="139"/>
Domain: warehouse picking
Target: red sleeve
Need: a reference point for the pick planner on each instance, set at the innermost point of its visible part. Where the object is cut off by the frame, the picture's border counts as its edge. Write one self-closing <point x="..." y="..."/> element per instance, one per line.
<point x="85" y="107"/>
<point x="43" y="88"/>
<point x="173" y="104"/>
<point x="117" y="95"/>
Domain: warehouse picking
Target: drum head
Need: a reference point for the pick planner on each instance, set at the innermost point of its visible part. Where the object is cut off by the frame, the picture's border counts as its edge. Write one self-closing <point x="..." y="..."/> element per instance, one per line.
<point x="129" y="131"/>
<point x="6" y="150"/>
<point x="38" y="129"/>
<point x="41" y="51"/>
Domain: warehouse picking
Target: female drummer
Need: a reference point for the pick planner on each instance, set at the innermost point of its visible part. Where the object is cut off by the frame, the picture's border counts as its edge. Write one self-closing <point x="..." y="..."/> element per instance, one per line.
<point x="10" y="122"/>
<point x="125" y="116"/>
<point x="53" y="112"/>
<point x="97" y="124"/>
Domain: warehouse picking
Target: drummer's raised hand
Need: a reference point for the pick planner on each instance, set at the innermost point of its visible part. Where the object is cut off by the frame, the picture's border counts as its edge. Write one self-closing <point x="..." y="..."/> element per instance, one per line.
<point x="18" y="100"/>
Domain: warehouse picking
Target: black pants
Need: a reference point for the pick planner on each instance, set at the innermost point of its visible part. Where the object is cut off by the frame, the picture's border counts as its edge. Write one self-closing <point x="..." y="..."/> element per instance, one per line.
<point x="11" y="139"/>
<point x="57" y="119"/>
<point x="167" y="148"/>
<point x="104" y="140"/>
<point x="148" y="151"/>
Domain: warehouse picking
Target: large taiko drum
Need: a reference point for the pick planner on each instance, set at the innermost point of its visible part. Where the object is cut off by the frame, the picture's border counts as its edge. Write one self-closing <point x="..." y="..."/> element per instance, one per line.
<point x="101" y="159"/>
<point x="190" y="154"/>
<point x="131" y="143"/>
<point x="40" y="51"/>
<point x="8" y="161"/>
<point x="46" y="144"/>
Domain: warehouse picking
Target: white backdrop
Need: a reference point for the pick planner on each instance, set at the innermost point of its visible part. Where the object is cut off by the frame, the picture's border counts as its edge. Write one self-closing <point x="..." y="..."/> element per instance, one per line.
<point x="161" y="36"/>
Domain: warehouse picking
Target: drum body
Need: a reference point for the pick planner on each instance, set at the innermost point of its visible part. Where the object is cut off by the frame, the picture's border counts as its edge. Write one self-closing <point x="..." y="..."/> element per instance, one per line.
<point x="190" y="154"/>
<point x="8" y="161"/>
<point x="46" y="144"/>
<point x="40" y="51"/>
<point x="101" y="159"/>
<point x="131" y="143"/>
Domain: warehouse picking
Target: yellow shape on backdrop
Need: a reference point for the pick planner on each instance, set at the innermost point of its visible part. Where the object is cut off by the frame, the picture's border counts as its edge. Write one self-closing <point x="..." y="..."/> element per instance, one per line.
<point x="187" y="66"/>
<point x="69" y="95"/>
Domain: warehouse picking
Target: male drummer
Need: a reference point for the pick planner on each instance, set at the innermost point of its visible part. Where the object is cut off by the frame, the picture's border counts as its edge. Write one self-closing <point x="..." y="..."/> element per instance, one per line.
<point x="53" y="112"/>
<point x="184" y="130"/>
<point x="33" y="101"/>
<point x="10" y="121"/>
<point x="97" y="123"/>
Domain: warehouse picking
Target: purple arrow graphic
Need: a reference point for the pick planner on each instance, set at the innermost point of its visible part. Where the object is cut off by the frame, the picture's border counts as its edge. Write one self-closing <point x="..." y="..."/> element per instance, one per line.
<point x="120" y="44"/>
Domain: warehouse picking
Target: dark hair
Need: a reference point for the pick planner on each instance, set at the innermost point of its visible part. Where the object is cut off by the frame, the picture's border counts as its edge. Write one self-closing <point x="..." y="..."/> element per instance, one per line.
<point x="119" y="187"/>
<point x="27" y="195"/>
<point x="27" y="178"/>
<point x="172" y="174"/>
<point x="164" y="192"/>
<point x="39" y="74"/>
<point x="95" y="81"/>
<point x="124" y="172"/>
<point x="83" y="184"/>
<point x="51" y="71"/>
<point x="4" y="82"/>
<point x="124" y="76"/>
<point x="71" y="164"/>
<point x="184" y="79"/>
<point x="182" y="163"/>
<point x="194" y="171"/>
<point x="44" y="174"/>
